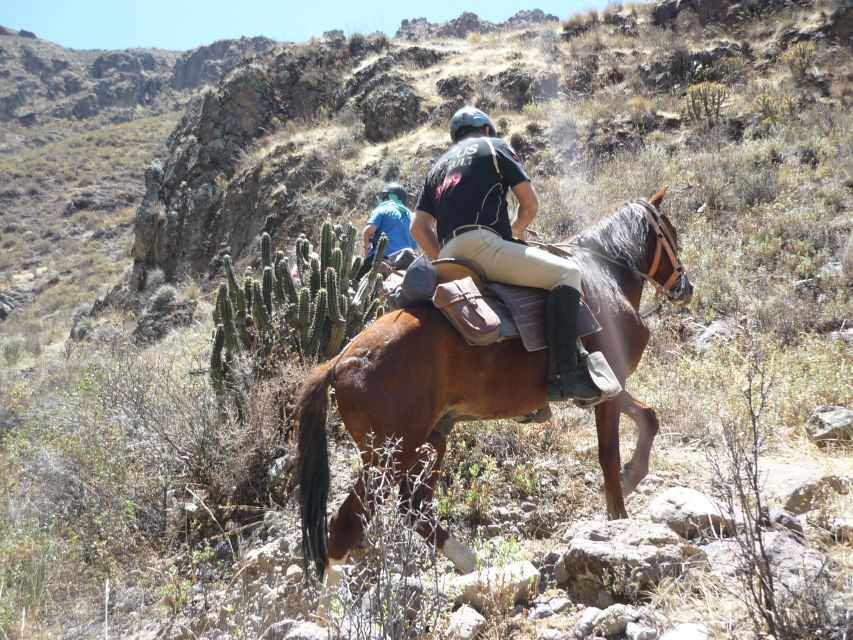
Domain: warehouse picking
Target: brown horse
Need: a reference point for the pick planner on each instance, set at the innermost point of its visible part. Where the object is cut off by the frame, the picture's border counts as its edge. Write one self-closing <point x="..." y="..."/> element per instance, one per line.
<point x="410" y="377"/>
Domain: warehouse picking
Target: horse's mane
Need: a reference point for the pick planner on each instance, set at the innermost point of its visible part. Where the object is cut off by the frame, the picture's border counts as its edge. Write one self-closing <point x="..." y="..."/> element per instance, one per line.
<point x="621" y="235"/>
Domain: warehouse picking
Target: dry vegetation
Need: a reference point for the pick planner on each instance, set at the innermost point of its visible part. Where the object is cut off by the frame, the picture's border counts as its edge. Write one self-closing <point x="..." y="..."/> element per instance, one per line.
<point x="103" y="445"/>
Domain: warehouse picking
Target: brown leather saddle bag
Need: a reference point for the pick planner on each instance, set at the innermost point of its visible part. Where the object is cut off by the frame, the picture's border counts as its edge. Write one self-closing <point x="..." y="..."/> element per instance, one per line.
<point x="463" y="305"/>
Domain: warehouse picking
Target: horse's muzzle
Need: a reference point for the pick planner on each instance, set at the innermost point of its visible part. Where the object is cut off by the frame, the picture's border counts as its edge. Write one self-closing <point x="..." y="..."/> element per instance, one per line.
<point x="682" y="292"/>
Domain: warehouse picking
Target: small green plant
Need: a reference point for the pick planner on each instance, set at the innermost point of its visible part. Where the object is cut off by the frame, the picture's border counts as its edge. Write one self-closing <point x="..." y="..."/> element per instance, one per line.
<point x="176" y="592"/>
<point x="705" y="101"/>
<point x="800" y="59"/>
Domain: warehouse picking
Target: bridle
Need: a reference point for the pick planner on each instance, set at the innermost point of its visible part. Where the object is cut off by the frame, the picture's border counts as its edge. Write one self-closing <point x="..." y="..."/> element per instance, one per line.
<point x="664" y="242"/>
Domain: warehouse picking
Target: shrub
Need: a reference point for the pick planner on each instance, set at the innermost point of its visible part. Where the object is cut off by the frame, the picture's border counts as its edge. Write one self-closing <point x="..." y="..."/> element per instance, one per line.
<point x="705" y="101"/>
<point x="800" y="58"/>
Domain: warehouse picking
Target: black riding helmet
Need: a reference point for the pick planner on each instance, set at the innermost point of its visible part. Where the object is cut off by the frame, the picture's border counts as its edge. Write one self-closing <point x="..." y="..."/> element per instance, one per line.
<point x="392" y="188"/>
<point x="469" y="118"/>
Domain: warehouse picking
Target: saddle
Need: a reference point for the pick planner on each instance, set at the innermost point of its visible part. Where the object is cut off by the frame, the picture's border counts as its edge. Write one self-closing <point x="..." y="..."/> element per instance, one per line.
<point x="483" y="312"/>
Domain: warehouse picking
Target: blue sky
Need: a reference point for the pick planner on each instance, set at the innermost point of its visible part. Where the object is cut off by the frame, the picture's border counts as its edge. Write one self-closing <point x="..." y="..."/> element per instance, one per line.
<point x="185" y="24"/>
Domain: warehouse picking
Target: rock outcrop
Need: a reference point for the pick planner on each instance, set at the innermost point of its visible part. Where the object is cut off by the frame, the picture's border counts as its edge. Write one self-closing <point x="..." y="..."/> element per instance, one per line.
<point x="207" y="64"/>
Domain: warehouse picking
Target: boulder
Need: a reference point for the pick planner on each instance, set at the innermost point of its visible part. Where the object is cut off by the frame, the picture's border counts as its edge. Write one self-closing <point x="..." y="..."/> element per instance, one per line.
<point x="463" y="25"/>
<point x="390" y="107"/>
<point x="454" y="86"/>
<point x="637" y="631"/>
<point x="294" y="630"/>
<point x="584" y="624"/>
<point x="509" y="585"/>
<point x="688" y="512"/>
<point x="614" y="619"/>
<point x="527" y="18"/>
<point x="793" y="564"/>
<point x="162" y="314"/>
<point x="840" y="23"/>
<point x="513" y="85"/>
<point x="616" y="560"/>
<point x="810" y="494"/>
<point x="465" y="624"/>
<point x="830" y="425"/>
<point x="400" y="597"/>
<point x="688" y="631"/>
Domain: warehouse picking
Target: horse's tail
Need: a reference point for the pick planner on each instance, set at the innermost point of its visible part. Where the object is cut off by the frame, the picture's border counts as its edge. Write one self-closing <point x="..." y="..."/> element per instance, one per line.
<point x="312" y="466"/>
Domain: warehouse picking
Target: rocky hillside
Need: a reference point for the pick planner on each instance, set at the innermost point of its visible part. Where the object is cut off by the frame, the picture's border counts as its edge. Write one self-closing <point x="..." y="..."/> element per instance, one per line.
<point x="40" y="81"/>
<point x="136" y="502"/>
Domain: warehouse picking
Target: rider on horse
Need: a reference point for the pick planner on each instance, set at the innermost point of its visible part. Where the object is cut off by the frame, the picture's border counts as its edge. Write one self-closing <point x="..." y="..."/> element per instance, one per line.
<point x="462" y="213"/>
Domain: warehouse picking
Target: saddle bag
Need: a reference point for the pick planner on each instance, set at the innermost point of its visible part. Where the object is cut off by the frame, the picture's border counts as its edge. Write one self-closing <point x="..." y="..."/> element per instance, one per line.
<point x="462" y="303"/>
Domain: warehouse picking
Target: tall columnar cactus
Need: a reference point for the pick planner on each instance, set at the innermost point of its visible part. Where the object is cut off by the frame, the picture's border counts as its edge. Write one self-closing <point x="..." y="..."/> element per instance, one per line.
<point x="267" y="289"/>
<point x="309" y="312"/>
<point x="266" y="249"/>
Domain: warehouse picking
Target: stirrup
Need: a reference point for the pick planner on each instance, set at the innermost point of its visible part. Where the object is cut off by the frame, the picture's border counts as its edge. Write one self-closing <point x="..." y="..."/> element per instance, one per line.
<point x="540" y="415"/>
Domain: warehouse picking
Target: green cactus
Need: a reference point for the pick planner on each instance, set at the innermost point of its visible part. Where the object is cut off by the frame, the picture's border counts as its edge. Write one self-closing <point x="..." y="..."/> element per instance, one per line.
<point x="238" y="299"/>
<point x="316" y="280"/>
<point x="325" y="249"/>
<point x="217" y="367"/>
<point x="223" y="303"/>
<point x="286" y="281"/>
<point x="356" y="267"/>
<point x="318" y="322"/>
<point x="303" y="260"/>
<point x="247" y="292"/>
<point x="267" y="289"/>
<point x="379" y="256"/>
<point x="259" y="310"/>
<point x="303" y="317"/>
<point x="266" y="249"/>
<point x="348" y="250"/>
<point x="310" y="312"/>
<point x="332" y="289"/>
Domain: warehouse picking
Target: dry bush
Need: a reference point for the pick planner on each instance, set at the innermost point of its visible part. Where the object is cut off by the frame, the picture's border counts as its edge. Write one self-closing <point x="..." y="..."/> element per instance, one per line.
<point x="785" y="611"/>
<point x="110" y="443"/>
<point x="800" y="59"/>
<point x="392" y="586"/>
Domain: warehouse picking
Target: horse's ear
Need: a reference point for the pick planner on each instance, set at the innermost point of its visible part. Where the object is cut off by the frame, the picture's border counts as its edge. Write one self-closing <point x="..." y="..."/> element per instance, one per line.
<point x="658" y="197"/>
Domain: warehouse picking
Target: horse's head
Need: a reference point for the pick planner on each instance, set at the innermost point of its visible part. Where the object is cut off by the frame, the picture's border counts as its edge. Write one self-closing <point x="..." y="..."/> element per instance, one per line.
<point x="665" y="270"/>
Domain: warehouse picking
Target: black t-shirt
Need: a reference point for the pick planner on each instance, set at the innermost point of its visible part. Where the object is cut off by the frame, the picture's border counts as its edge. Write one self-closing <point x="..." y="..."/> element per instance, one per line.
<point x="469" y="185"/>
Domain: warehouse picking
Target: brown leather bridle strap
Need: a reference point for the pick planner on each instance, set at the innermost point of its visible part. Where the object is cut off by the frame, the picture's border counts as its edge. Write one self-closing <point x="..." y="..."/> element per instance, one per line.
<point x="664" y="242"/>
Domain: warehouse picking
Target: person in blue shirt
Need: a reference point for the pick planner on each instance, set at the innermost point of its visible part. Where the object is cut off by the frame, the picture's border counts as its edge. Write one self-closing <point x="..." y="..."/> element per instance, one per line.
<point x="392" y="218"/>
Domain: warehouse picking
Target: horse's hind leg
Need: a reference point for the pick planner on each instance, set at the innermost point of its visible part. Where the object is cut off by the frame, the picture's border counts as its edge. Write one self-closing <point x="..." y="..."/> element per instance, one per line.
<point x="416" y="500"/>
<point x="346" y="528"/>
<point x="647" y="427"/>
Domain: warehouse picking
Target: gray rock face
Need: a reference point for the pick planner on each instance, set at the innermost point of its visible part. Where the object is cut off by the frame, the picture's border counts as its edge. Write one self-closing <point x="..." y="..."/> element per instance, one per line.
<point x="687" y="512"/>
<point x="830" y="424"/>
<point x="615" y="559"/>
<point x="207" y="64"/>
<point x="390" y="107"/>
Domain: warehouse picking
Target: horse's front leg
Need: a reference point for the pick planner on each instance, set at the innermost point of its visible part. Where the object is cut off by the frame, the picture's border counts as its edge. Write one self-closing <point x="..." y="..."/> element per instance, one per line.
<point x="647" y="427"/>
<point x="607" y="425"/>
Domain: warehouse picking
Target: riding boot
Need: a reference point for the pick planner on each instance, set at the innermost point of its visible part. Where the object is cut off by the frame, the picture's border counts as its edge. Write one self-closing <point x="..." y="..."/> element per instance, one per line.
<point x="567" y="380"/>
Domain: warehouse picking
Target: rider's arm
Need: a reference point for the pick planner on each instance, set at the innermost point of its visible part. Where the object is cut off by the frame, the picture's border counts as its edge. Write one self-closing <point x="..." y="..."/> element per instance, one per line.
<point x="369" y="230"/>
<point x="528" y="205"/>
<point x="423" y="231"/>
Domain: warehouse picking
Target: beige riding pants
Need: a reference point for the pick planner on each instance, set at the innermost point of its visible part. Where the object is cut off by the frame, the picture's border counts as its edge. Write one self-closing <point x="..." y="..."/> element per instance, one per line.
<point x="512" y="262"/>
